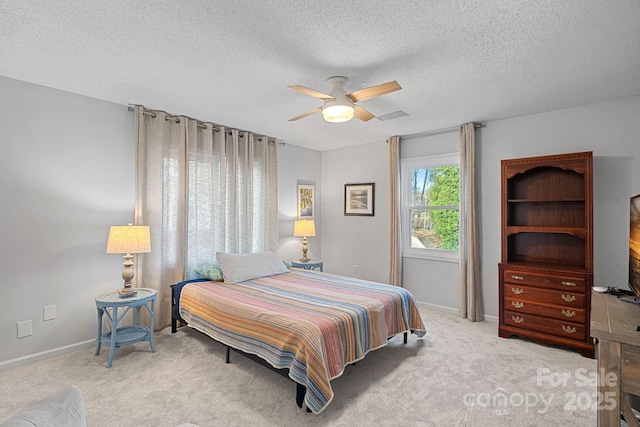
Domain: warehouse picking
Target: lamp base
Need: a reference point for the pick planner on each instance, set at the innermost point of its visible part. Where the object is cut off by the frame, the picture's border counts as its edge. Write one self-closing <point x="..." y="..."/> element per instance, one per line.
<point x="305" y="248"/>
<point x="127" y="292"/>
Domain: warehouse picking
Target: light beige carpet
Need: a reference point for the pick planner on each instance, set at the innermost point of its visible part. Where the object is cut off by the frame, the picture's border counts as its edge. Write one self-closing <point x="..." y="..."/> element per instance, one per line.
<point x="459" y="374"/>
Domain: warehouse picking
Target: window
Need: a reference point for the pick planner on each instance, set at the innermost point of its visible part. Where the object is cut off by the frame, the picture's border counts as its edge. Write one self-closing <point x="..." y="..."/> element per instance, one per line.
<point x="430" y="207"/>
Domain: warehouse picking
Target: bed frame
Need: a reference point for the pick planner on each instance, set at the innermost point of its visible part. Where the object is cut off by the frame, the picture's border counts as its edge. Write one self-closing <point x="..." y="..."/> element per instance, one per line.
<point x="300" y="389"/>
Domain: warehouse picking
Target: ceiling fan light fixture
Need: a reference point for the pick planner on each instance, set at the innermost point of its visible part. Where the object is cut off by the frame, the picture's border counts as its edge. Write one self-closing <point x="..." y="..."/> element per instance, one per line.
<point x="338" y="113"/>
<point x="340" y="106"/>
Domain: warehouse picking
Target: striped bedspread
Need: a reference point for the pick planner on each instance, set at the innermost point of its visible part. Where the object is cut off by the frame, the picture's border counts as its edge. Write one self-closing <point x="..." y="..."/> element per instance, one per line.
<point x="310" y="322"/>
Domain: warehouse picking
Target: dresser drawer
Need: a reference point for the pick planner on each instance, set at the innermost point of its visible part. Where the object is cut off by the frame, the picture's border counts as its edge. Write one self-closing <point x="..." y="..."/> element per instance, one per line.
<point x="551" y="281"/>
<point x="546" y="296"/>
<point x="574" y="331"/>
<point x="554" y="311"/>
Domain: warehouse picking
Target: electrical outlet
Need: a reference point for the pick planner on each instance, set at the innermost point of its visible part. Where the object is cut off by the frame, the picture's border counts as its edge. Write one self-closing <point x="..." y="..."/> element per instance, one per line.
<point x="49" y="312"/>
<point x="355" y="269"/>
<point x="25" y="328"/>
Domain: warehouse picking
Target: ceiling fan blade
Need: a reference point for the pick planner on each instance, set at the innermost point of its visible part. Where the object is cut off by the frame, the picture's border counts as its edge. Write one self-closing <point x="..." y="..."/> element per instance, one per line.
<point x="308" y="113"/>
<point x="373" y="91"/>
<point x="362" y="114"/>
<point x="311" y="92"/>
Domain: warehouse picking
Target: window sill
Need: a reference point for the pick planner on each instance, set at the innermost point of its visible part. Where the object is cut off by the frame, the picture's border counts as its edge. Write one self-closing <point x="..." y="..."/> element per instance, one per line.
<point x="445" y="257"/>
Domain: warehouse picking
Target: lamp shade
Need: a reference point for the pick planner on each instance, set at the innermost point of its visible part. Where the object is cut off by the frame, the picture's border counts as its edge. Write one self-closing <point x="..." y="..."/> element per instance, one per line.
<point x="129" y="239"/>
<point x="304" y="228"/>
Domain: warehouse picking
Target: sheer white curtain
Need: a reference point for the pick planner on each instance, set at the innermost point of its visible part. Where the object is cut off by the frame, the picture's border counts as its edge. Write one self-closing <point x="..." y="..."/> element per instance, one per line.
<point x="395" y="236"/>
<point x="201" y="188"/>
<point x="470" y="291"/>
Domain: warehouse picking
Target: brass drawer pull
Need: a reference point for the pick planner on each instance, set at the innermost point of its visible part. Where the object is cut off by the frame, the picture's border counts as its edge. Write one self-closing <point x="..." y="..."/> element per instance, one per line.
<point x="568" y="313"/>
<point x="569" y="298"/>
<point x="568" y="283"/>
<point x="517" y="291"/>
<point x="519" y="319"/>
<point x="569" y="329"/>
<point x="513" y="276"/>
<point x="517" y="304"/>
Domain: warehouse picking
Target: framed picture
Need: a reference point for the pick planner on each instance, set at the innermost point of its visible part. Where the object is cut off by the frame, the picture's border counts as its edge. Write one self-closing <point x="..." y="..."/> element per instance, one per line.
<point x="359" y="199"/>
<point x="306" y="201"/>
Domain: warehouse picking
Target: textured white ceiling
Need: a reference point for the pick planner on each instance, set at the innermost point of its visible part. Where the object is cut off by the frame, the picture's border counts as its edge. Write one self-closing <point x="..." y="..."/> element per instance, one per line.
<point x="230" y="61"/>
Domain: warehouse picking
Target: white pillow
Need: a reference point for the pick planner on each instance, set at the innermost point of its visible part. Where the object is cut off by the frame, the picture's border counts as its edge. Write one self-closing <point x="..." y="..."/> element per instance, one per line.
<point x="239" y="267"/>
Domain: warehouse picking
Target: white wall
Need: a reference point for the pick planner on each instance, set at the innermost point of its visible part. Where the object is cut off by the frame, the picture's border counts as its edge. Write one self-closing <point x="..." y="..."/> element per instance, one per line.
<point x="297" y="165"/>
<point x="66" y="175"/>
<point x="364" y="241"/>
<point x="609" y="129"/>
<point x="356" y="240"/>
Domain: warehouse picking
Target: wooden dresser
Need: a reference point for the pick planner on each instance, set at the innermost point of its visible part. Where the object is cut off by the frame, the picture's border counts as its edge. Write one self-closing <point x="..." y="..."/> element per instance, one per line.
<point x="546" y="272"/>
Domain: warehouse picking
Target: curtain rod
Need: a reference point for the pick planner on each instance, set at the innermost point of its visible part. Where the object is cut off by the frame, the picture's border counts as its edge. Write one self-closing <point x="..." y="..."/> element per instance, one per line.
<point x="200" y="124"/>
<point x="437" y="132"/>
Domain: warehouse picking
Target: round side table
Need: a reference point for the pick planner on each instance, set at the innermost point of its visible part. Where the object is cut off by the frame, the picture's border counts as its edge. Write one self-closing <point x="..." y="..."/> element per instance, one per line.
<point x="308" y="265"/>
<point x="109" y="304"/>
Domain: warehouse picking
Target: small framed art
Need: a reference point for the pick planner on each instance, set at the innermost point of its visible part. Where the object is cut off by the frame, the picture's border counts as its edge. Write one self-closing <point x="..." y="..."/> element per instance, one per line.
<point x="306" y="201"/>
<point x="359" y="199"/>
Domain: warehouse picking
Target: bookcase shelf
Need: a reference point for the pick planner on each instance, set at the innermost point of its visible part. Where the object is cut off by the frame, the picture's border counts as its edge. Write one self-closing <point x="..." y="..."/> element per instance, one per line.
<point x="574" y="231"/>
<point x="544" y="200"/>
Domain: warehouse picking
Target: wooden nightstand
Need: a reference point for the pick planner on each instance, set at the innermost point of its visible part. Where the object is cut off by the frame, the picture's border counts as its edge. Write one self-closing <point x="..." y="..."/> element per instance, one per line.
<point x="307" y="265"/>
<point x="119" y="336"/>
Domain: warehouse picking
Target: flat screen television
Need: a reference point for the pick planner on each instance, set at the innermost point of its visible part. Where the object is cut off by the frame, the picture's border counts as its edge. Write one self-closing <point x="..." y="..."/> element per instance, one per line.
<point x="634" y="245"/>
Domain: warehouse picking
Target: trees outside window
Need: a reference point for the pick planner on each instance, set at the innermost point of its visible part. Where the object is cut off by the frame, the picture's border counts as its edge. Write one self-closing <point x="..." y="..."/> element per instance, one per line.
<point x="431" y="199"/>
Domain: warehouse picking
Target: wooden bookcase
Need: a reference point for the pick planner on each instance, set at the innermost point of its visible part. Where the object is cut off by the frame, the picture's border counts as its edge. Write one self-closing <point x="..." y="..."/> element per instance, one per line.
<point x="546" y="273"/>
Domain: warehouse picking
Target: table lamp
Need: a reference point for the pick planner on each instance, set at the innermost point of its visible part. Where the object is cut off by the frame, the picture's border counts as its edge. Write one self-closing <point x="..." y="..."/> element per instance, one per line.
<point x="128" y="239"/>
<point x="304" y="228"/>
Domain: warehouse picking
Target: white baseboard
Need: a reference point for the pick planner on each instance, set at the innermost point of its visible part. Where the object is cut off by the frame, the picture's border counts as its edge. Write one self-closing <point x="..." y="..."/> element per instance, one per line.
<point x="46" y="354"/>
<point x="451" y="310"/>
<point x="492" y="319"/>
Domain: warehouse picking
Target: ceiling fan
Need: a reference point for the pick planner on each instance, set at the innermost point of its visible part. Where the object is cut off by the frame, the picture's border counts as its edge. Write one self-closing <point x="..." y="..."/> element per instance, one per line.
<point x="340" y="106"/>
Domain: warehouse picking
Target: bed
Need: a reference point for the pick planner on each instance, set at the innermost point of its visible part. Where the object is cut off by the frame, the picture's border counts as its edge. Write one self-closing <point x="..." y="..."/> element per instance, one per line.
<point x="310" y="323"/>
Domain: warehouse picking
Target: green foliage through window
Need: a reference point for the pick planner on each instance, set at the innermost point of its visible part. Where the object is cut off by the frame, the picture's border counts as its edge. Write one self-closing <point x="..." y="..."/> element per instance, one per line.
<point x="435" y="196"/>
